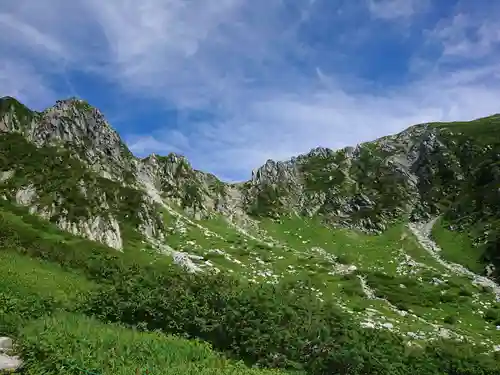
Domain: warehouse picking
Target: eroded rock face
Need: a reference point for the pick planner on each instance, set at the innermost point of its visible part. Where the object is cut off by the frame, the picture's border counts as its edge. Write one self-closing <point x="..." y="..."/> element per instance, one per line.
<point x="98" y="228"/>
<point x="74" y="170"/>
<point x="345" y="186"/>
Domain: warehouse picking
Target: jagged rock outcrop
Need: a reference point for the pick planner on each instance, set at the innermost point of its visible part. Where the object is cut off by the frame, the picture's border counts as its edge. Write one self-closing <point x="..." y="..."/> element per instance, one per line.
<point x="67" y="165"/>
<point x="76" y="123"/>
<point x="449" y="169"/>
<point x="413" y="173"/>
<point x="198" y="194"/>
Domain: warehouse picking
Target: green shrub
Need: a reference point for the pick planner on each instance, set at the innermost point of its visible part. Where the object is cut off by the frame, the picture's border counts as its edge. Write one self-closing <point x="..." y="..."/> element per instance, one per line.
<point x="413" y="295"/>
<point x="450" y="319"/>
<point x="492" y="315"/>
<point x="66" y="343"/>
<point x="19" y="306"/>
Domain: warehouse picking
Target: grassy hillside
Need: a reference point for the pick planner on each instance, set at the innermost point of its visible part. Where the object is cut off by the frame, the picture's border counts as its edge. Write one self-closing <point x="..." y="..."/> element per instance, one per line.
<point x="82" y="301"/>
<point x="301" y="288"/>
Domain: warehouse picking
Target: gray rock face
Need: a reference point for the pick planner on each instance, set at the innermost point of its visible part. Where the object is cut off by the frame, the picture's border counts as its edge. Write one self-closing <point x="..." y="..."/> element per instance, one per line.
<point x="8" y="362"/>
<point x="176" y="181"/>
<point x="367" y="186"/>
<point x="73" y="121"/>
<point x="81" y="130"/>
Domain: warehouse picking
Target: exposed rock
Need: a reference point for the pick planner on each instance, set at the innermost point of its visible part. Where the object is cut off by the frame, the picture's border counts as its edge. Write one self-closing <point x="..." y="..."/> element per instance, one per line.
<point x="422" y="232"/>
<point x="25" y="196"/>
<point x="4" y="176"/>
<point x="105" y="230"/>
<point x="8" y="362"/>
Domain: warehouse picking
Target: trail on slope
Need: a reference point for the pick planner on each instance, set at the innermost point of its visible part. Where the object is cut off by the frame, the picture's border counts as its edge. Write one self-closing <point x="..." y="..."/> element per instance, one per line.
<point x="153" y="194"/>
<point x="422" y="232"/>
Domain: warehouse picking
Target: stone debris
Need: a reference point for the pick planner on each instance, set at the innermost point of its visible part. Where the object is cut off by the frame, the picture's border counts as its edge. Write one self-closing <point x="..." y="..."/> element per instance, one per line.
<point x="422" y="232"/>
<point x="8" y="362"/>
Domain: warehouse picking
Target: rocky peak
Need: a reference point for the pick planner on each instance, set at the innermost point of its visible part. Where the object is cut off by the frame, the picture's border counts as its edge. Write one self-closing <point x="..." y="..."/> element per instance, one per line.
<point x="321" y="152"/>
<point x="73" y="120"/>
<point x="416" y="172"/>
<point x="15" y="116"/>
<point x="83" y="129"/>
<point x="274" y="172"/>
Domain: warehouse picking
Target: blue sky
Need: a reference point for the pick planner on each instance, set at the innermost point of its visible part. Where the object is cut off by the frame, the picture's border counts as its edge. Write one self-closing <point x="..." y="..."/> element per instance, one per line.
<point x="232" y="83"/>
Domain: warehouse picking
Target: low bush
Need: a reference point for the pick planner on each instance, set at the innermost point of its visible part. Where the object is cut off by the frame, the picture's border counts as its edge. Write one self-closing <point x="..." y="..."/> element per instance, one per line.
<point x="19" y="306"/>
<point x="413" y="294"/>
<point x="66" y="344"/>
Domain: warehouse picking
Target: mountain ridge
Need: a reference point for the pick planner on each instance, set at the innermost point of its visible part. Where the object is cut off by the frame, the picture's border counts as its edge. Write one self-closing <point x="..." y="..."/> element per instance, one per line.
<point x="416" y="174"/>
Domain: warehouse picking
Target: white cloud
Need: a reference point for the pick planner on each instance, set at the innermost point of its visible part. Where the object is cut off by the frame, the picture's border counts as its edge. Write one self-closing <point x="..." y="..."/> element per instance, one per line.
<point x="246" y="65"/>
<point x="392" y="9"/>
<point x="15" y="30"/>
<point x="469" y="33"/>
<point x="20" y="80"/>
<point x="280" y="127"/>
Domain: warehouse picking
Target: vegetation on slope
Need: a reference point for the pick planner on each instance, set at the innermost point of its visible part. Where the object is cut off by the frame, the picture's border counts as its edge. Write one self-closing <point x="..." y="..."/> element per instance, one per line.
<point x="448" y="169"/>
<point x="11" y="105"/>
<point x="270" y="325"/>
<point x="372" y="187"/>
<point x="475" y="210"/>
<point x="54" y="345"/>
<point x="92" y="290"/>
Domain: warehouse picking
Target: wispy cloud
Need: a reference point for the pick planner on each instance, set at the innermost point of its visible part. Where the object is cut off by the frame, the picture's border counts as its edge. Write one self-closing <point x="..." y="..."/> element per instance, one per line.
<point x="263" y="79"/>
<point x="392" y="9"/>
<point x="20" y="80"/>
<point x="466" y="36"/>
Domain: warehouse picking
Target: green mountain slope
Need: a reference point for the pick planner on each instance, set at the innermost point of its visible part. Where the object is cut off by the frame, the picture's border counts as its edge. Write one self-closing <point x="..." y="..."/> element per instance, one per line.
<point x="397" y="238"/>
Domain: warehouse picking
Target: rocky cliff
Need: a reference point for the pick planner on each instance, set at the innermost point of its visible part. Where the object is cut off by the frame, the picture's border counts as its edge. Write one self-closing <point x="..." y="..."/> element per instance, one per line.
<point x="68" y="165"/>
<point x="428" y="170"/>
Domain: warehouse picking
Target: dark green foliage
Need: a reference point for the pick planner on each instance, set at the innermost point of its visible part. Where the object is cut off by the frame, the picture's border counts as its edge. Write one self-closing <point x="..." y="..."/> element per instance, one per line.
<point x="19" y="306"/>
<point x="408" y="293"/>
<point x="267" y="202"/>
<point x="23" y="114"/>
<point x="450" y="319"/>
<point x="272" y="326"/>
<point x="452" y="358"/>
<point x="493" y="314"/>
<point x="72" y="344"/>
